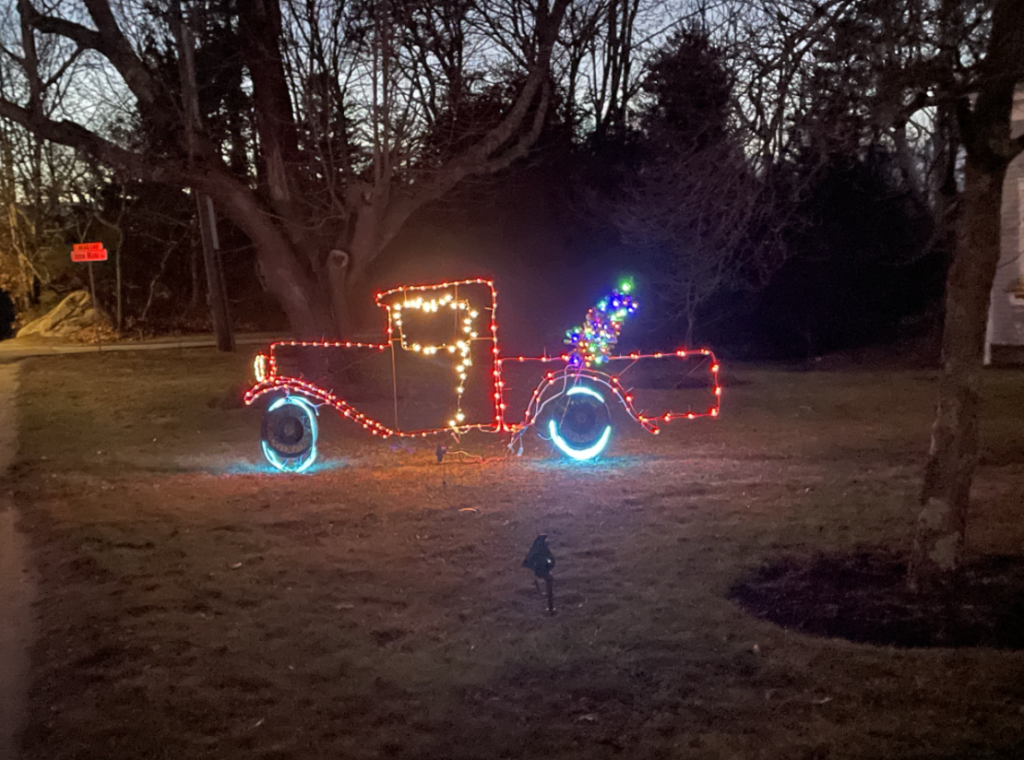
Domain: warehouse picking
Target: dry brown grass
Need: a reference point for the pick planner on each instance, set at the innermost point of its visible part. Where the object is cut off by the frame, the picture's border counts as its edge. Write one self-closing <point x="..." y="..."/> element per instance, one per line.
<point x="194" y="605"/>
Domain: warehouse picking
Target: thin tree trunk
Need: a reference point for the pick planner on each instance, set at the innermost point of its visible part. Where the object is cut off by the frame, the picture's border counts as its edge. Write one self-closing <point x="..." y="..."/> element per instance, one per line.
<point x="953" y="456"/>
<point x="117" y="273"/>
<point x="193" y="265"/>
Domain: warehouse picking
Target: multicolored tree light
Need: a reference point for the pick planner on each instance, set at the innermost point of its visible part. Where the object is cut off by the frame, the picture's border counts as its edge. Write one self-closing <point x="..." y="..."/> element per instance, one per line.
<point x="591" y="343"/>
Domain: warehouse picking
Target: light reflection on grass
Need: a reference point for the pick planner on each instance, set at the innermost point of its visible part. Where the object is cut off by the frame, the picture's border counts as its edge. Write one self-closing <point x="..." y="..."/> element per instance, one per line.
<point x="263" y="467"/>
<point x="615" y="464"/>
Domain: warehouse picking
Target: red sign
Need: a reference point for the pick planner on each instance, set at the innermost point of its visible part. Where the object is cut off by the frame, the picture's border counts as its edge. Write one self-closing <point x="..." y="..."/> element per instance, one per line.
<point x="88" y="252"/>
<point x="88" y="246"/>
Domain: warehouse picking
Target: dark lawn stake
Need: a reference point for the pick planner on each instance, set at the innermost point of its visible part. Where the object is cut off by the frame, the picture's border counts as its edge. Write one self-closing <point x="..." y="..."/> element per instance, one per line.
<point x="542" y="562"/>
<point x="439" y="452"/>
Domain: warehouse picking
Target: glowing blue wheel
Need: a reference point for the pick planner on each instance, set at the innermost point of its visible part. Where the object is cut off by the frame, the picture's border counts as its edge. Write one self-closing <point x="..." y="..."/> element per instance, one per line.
<point x="579" y="423"/>
<point x="289" y="433"/>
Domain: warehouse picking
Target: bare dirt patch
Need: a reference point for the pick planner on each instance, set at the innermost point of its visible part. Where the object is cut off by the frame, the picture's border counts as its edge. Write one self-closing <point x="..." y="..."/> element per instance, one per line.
<point x="194" y="604"/>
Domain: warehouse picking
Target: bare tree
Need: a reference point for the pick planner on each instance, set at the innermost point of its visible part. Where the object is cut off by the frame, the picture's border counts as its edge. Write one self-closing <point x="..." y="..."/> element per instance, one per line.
<point x="339" y="123"/>
<point x="604" y="44"/>
<point x="698" y="214"/>
<point x="694" y="217"/>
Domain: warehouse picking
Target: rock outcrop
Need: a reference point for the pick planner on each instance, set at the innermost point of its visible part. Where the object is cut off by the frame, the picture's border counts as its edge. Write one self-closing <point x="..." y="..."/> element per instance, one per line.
<point x="71" y="316"/>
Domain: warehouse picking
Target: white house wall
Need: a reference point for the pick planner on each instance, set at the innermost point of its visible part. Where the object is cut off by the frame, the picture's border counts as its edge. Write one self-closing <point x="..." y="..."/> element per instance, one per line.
<point x="1006" y="314"/>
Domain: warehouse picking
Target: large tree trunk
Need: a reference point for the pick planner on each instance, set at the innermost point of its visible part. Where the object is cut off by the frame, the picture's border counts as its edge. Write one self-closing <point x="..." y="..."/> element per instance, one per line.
<point x="953" y="457"/>
<point x="303" y="297"/>
<point x="284" y="270"/>
<point x="945" y="494"/>
<point x="349" y="291"/>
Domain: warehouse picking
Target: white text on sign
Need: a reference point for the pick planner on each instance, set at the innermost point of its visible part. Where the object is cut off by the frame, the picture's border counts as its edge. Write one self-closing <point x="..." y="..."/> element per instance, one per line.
<point x="89" y="255"/>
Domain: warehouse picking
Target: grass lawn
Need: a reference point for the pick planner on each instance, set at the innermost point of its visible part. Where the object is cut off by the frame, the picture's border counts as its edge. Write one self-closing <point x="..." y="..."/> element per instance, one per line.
<point x="194" y="604"/>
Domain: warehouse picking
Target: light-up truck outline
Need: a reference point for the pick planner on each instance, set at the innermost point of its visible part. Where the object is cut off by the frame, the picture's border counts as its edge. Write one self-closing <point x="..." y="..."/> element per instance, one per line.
<point x="568" y="405"/>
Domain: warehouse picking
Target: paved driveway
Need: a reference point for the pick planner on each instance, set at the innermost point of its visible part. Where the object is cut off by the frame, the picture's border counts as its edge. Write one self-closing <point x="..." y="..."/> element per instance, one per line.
<point x="21" y="348"/>
<point x="16" y="586"/>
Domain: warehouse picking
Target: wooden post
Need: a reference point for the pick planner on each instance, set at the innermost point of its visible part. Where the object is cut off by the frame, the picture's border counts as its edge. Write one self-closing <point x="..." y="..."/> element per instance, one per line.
<point x="95" y="309"/>
<point x="119" y="321"/>
<point x="204" y="207"/>
<point x="214" y="274"/>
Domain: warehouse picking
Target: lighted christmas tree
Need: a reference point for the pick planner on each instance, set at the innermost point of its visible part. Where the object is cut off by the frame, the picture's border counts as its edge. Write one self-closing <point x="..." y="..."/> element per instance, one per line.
<point x="592" y="342"/>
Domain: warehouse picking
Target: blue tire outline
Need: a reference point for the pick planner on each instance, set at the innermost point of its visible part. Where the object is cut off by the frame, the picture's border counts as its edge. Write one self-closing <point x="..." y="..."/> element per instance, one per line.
<point x="299" y="463"/>
<point x="580" y="455"/>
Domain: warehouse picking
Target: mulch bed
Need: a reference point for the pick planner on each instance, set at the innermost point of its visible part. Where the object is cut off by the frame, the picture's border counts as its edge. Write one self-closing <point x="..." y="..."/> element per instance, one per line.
<point x="863" y="597"/>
